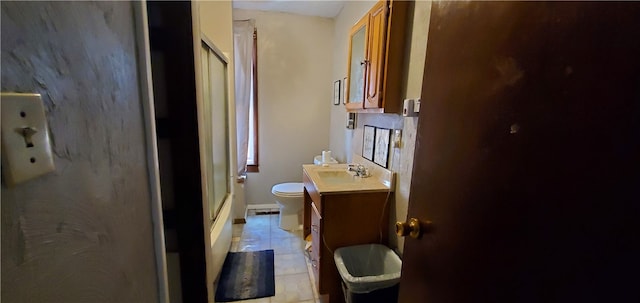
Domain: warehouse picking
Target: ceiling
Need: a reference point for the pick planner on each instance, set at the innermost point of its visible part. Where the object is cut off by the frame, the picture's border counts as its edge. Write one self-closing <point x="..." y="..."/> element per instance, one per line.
<point x="320" y="8"/>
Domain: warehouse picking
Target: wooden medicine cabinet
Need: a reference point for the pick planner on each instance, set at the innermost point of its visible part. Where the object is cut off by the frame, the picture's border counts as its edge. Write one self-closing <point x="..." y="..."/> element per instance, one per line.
<point x="376" y="52"/>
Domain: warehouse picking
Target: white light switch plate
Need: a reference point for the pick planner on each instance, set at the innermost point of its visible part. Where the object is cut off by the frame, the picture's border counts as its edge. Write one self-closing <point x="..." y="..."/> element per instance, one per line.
<point x="26" y="148"/>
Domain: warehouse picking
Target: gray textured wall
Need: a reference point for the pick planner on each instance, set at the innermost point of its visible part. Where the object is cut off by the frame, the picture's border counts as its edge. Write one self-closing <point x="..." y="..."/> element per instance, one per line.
<point x="82" y="233"/>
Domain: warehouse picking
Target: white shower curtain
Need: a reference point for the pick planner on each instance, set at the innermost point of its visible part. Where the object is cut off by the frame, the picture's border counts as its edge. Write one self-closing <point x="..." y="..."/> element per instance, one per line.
<point x="243" y="57"/>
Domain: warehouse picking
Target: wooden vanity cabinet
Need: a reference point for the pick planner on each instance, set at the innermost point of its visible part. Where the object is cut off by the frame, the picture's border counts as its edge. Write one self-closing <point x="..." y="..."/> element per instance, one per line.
<point x="336" y="220"/>
<point x="376" y="59"/>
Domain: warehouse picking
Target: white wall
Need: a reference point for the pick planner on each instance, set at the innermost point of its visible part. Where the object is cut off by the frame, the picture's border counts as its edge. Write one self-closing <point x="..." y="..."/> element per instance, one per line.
<point x="295" y="84"/>
<point x="344" y="143"/>
<point x="340" y="136"/>
<point x="414" y="64"/>
<point x="216" y="22"/>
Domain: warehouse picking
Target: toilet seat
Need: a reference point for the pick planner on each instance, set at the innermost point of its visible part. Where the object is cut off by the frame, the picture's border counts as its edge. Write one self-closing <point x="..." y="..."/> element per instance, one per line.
<point x="288" y="189"/>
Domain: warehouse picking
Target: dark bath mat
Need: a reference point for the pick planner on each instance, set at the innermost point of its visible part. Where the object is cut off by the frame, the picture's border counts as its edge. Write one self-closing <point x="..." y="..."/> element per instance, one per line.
<point x="246" y="275"/>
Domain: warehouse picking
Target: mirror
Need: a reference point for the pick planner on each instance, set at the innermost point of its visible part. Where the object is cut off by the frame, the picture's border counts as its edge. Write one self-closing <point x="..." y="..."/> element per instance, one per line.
<point x="357" y="66"/>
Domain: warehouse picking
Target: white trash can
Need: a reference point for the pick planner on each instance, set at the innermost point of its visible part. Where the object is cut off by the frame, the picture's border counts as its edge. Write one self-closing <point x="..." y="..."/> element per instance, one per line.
<point x="370" y="273"/>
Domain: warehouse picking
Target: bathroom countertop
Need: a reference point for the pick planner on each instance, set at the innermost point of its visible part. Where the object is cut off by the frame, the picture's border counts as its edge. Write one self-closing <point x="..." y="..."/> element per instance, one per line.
<point x="381" y="180"/>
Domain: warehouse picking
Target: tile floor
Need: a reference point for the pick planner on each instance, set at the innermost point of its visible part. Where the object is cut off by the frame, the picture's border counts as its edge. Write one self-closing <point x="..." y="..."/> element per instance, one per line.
<point x="293" y="280"/>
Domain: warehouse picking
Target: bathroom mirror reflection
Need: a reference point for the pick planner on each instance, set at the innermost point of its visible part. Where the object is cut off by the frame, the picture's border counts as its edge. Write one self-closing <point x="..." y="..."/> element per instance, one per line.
<point x="357" y="67"/>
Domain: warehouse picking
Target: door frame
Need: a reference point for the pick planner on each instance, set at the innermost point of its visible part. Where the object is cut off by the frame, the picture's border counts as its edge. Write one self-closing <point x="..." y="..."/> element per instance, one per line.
<point x="146" y="95"/>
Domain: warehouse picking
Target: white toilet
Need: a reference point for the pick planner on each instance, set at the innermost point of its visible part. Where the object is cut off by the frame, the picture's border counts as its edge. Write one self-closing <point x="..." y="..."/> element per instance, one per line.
<point x="290" y="198"/>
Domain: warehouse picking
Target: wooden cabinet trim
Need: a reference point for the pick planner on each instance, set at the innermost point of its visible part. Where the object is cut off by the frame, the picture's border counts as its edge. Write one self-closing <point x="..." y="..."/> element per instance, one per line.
<point x="376" y="54"/>
<point x="395" y="48"/>
<point x="312" y="191"/>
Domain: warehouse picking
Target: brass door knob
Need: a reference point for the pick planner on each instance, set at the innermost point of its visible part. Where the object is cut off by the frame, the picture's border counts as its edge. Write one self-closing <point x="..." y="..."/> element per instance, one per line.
<point x="414" y="228"/>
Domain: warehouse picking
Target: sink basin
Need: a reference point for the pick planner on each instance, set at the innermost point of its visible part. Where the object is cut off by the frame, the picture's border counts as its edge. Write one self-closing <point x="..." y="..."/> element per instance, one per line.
<point x="336" y="177"/>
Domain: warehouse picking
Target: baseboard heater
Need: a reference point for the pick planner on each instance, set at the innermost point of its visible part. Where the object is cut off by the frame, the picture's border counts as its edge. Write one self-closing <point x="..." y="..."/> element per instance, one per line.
<point x="264" y="209"/>
<point x="267" y="212"/>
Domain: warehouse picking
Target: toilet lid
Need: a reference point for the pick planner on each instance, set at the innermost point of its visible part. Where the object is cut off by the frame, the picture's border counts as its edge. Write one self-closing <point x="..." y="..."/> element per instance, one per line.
<point x="288" y="189"/>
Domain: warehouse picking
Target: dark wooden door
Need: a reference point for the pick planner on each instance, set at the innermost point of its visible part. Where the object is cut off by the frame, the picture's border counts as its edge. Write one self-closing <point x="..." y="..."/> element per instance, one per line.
<point x="528" y="155"/>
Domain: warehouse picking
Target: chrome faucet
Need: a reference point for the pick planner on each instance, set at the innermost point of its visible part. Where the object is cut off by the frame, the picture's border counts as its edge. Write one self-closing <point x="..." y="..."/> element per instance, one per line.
<point x="361" y="170"/>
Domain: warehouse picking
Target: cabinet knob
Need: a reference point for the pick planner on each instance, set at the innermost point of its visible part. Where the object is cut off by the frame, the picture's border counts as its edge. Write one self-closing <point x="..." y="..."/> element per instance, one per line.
<point x="363" y="62"/>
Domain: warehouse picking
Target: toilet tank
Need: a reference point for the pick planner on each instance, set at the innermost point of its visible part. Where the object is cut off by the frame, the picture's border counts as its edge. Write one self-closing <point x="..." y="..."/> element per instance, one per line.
<point x="317" y="160"/>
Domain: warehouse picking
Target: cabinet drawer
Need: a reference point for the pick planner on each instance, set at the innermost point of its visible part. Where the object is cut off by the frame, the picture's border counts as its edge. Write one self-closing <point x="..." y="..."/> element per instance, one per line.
<point x="316" y="232"/>
<point x="315" y="243"/>
<point x="315" y="267"/>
